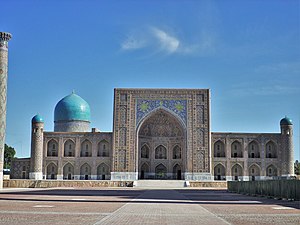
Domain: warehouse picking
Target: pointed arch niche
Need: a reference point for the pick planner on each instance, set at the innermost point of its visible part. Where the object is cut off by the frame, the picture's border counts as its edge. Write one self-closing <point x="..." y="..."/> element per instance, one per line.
<point x="161" y="141"/>
<point x="219" y="172"/>
<point x="68" y="171"/>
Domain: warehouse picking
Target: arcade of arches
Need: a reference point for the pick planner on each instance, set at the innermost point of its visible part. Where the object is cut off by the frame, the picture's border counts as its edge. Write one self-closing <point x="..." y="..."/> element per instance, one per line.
<point x="237" y="173"/>
<point x="161" y="147"/>
<point x="157" y="134"/>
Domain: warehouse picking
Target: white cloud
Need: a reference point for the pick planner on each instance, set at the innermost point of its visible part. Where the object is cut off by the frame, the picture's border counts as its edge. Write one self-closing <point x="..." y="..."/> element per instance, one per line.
<point x="204" y="46"/>
<point x="158" y="40"/>
<point x="166" y="41"/>
<point x="132" y="43"/>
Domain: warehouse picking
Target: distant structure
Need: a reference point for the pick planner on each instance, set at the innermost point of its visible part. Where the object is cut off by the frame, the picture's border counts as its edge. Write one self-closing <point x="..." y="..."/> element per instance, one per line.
<point x="157" y="134"/>
<point x="4" y="38"/>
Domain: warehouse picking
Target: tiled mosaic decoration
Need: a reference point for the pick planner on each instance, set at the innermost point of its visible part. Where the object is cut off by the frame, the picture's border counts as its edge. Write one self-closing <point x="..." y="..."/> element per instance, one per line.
<point x="145" y="106"/>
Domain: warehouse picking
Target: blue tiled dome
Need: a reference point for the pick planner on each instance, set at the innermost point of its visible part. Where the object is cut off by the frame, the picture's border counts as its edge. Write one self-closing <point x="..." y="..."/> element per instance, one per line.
<point x="72" y="108"/>
<point x="37" y="119"/>
<point x="286" y="121"/>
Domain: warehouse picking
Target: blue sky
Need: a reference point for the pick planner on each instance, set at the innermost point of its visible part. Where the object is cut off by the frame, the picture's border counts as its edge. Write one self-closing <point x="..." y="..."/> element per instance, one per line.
<point x="246" y="52"/>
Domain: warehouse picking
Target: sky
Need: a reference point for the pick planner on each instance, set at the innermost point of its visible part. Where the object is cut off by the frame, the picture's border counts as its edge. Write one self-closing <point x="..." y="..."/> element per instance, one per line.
<point x="246" y="52"/>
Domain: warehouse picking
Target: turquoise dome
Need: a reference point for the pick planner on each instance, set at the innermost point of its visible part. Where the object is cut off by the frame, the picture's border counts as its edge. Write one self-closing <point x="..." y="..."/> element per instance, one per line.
<point x="72" y="108"/>
<point x="37" y="119"/>
<point x="286" y="121"/>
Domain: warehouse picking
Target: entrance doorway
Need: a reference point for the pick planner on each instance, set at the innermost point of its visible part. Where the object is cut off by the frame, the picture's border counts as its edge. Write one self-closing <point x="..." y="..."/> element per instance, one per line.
<point x="177" y="172"/>
<point x="179" y="175"/>
<point x="161" y="146"/>
<point x="144" y="171"/>
<point x="161" y="172"/>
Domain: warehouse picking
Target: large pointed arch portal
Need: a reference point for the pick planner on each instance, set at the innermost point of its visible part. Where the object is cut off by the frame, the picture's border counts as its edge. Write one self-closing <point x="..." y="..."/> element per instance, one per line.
<point x="166" y="127"/>
<point x="161" y="146"/>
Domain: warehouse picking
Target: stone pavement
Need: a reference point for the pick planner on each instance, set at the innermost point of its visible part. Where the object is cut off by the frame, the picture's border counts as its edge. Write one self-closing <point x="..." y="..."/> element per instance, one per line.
<point x="141" y="206"/>
<point x="162" y="207"/>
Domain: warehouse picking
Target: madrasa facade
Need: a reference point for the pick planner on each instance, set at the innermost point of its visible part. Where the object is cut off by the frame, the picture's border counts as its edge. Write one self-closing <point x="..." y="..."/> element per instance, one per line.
<point x="157" y="134"/>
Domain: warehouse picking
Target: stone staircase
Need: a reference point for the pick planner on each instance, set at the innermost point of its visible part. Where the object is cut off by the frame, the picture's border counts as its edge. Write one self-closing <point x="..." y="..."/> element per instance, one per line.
<point x="160" y="184"/>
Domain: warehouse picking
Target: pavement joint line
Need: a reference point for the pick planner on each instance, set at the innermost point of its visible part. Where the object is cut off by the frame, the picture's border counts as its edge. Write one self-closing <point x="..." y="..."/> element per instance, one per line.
<point x="54" y="213"/>
<point x="115" y="212"/>
<point x="215" y="215"/>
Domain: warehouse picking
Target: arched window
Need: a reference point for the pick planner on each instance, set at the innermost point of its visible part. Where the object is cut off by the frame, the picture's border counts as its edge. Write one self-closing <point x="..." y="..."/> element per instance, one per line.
<point x="52" y="148"/>
<point x="103" y="172"/>
<point x="85" y="172"/>
<point x="103" y="148"/>
<point x="145" y="152"/>
<point x="236" y="150"/>
<point x="236" y="172"/>
<point x="254" y="172"/>
<point x="271" y="151"/>
<point x="176" y="152"/>
<point x="160" y="152"/>
<point x="86" y="149"/>
<point x="271" y="171"/>
<point x="69" y="148"/>
<point x="219" y="172"/>
<point x="68" y="171"/>
<point x="219" y="149"/>
<point x="253" y="150"/>
<point x="51" y="171"/>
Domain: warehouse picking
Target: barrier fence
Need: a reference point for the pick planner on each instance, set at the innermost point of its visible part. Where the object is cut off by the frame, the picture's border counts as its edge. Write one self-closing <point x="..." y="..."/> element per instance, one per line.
<point x="281" y="189"/>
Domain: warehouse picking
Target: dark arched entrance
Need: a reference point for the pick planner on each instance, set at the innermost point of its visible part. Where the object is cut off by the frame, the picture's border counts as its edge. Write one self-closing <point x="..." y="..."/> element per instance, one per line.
<point x="144" y="170"/>
<point x="161" y="172"/>
<point x="177" y="172"/>
<point x="161" y="146"/>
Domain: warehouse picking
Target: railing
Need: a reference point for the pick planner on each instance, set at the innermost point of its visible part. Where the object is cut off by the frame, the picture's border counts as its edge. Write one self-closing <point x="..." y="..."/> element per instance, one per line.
<point x="281" y="189"/>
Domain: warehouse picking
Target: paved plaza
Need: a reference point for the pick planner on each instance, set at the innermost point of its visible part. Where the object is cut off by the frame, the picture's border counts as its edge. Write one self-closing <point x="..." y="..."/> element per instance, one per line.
<point x="141" y="206"/>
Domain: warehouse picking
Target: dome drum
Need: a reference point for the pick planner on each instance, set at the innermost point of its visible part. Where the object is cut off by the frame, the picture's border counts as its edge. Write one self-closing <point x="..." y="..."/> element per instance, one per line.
<point x="71" y="126"/>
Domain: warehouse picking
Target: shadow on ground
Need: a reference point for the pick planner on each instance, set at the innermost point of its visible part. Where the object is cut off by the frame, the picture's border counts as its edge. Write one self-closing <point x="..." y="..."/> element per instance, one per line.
<point x="184" y="196"/>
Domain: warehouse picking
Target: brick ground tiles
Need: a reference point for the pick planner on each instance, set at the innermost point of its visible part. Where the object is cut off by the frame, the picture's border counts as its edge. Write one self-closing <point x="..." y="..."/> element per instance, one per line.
<point x="141" y="206"/>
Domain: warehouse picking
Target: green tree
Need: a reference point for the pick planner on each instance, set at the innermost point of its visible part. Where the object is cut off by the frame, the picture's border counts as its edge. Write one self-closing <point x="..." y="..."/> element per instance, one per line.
<point x="297" y="167"/>
<point x="9" y="154"/>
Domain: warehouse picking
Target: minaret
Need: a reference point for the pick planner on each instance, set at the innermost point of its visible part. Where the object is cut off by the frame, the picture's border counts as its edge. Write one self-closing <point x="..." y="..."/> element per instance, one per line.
<point x="287" y="148"/>
<point x="36" y="160"/>
<point x="4" y="38"/>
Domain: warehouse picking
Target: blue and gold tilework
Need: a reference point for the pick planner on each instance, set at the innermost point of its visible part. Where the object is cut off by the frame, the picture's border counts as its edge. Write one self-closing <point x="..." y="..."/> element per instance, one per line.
<point x="145" y="106"/>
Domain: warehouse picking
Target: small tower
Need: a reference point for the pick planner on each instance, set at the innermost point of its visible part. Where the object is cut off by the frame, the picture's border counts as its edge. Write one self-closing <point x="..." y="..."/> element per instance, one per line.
<point x="36" y="161"/>
<point x="287" y="148"/>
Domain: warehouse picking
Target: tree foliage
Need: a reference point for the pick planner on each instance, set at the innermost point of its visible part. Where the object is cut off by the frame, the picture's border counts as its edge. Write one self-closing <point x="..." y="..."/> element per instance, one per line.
<point x="9" y="154"/>
<point x="297" y="167"/>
